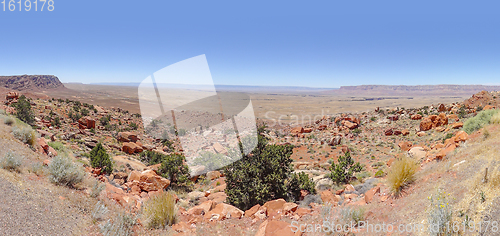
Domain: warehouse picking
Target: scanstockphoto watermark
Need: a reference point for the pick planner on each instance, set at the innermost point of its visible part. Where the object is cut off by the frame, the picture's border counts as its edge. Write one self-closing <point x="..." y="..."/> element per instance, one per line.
<point x="366" y="226"/>
<point x="273" y="118"/>
<point x="214" y="128"/>
<point x="353" y="227"/>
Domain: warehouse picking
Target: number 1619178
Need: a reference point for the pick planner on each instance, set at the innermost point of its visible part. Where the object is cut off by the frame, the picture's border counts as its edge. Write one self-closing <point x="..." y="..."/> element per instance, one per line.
<point x="28" y="5"/>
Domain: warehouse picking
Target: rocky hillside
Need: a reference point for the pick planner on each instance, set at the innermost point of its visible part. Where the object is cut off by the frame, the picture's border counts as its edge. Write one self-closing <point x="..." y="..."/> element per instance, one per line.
<point x="30" y="82"/>
<point x="432" y="136"/>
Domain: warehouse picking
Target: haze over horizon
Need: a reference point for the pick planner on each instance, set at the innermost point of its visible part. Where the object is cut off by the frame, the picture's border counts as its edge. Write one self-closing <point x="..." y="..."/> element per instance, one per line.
<point x="322" y="44"/>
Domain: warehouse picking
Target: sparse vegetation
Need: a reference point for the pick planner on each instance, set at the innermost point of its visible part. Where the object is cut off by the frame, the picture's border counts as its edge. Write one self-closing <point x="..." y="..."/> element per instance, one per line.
<point x="96" y="189"/>
<point x="11" y="162"/>
<point x="310" y="198"/>
<point x="479" y="121"/>
<point x="58" y="146"/>
<point x="9" y="120"/>
<point x="121" y="225"/>
<point x="354" y="215"/>
<point x="299" y="182"/>
<point x="440" y="214"/>
<point x="401" y="173"/>
<point x="25" y="134"/>
<point x="345" y="169"/>
<point x="64" y="171"/>
<point x="260" y="176"/>
<point x="380" y="173"/>
<point x="133" y="126"/>
<point x="99" y="212"/>
<point x="160" y="210"/>
<point x="173" y="168"/>
<point x="99" y="158"/>
<point x="24" y="111"/>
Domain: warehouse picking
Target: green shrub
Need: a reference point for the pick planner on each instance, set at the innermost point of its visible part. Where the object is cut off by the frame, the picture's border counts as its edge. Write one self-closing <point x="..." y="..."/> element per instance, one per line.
<point x="160" y="211"/>
<point x="133" y="126"/>
<point x="56" y="122"/>
<point x="345" y="169"/>
<point x="152" y="158"/>
<point x="23" y="110"/>
<point x="84" y="112"/>
<point x="105" y="120"/>
<point x="99" y="158"/>
<point x="480" y="120"/>
<point x="58" y="146"/>
<point x="173" y="168"/>
<point x="261" y="176"/>
<point x="64" y="171"/>
<point x="380" y="173"/>
<point x="448" y="136"/>
<point x="299" y="182"/>
<point x="11" y="162"/>
<point x="25" y="134"/>
<point x="402" y="173"/>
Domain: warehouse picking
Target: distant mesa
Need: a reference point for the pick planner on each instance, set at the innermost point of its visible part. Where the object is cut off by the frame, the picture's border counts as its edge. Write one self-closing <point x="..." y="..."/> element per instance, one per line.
<point x="416" y="90"/>
<point x="30" y="82"/>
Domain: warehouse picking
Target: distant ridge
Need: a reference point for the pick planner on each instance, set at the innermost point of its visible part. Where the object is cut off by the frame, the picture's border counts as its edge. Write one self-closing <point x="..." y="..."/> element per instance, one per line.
<point x="30" y="82"/>
<point x="232" y="88"/>
<point x="416" y="90"/>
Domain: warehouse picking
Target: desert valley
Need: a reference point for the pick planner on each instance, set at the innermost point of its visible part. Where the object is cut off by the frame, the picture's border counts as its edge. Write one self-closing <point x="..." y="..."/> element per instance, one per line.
<point x="77" y="161"/>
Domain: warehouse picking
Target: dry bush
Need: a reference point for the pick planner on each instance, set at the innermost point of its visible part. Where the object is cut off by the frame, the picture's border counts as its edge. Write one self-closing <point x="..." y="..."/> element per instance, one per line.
<point x="121" y="225"/>
<point x="25" y="134"/>
<point x="401" y="173"/>
<point x="96" y="189"/>
<point x="64" y="171"/>
<point x="160" y="210"/>
<point x="99" y="212"/>
<point x="11" y="162"/>
<point x="440" y="214"/>
<point x="495" y="119"/>
<point x="9" y="120"/>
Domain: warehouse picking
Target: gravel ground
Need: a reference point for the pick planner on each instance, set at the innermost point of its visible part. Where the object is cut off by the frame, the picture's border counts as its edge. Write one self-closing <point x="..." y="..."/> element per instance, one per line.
<point x="31" y="205"/>
<point x="29" y="213"/>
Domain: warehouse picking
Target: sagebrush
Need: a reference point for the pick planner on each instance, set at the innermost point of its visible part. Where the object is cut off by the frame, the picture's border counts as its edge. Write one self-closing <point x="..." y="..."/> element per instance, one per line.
<point x="25" y="134"/>
<point x="64" y="171"/>
<point x="11" y="162"/>
<point x="480" y="120"/>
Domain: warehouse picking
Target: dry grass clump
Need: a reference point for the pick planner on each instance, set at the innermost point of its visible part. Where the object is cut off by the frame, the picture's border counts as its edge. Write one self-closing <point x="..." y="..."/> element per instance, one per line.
<point x="25" y="134"/>
<point x="121" y="225"/>
<point x="64" y="171"/>
<point x="160" y="210"/>
<point x="495" y="119"/>
<point x="99" y="212"/>
<point x="9" y="120"/>
<point x="401" y="173"/>
<point x="11" y="162"/>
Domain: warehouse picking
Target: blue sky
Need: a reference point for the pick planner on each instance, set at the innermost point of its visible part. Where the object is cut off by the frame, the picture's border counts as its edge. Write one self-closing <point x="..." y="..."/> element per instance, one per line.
<point x="287" y="43"/>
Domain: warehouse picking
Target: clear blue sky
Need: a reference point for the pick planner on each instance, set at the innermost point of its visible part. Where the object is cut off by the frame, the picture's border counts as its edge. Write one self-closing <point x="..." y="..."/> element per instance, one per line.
<point x="287" y="43"/>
